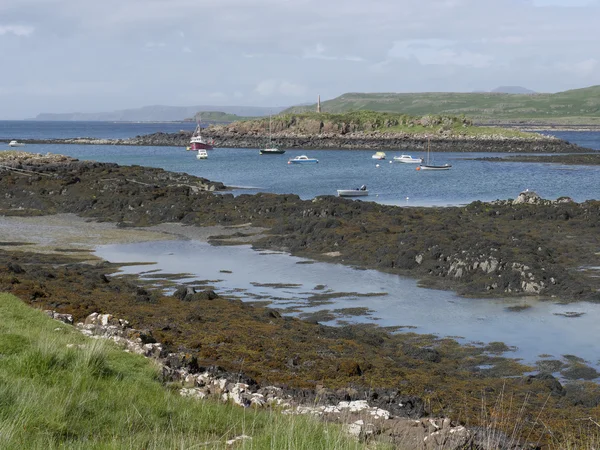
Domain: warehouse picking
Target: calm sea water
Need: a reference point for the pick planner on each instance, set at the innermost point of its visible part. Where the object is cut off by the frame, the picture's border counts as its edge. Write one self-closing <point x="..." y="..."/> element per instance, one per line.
<point x="541" y="329"/>
<point x="396" y="184"/>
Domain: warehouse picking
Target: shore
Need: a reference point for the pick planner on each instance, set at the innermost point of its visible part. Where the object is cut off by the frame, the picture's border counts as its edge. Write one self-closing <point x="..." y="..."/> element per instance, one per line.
<point x="518" y="246"/>
<point x="226" y="138"/>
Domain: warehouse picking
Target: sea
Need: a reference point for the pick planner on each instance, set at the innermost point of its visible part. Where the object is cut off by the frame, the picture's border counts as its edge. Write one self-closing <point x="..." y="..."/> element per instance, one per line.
<point x="539" y="330"/>
<point x="388" y="183"/>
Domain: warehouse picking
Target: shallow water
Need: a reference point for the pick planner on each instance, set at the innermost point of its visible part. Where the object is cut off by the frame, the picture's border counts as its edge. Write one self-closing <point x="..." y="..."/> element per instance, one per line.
<point x="395" y="184"/>
<point x="534" y="331"/>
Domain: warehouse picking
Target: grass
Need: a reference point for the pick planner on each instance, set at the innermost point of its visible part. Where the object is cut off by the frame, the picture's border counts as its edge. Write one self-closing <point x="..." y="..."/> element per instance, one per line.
<point x="433" y="125"/>
<point x="59" y="389"/>
<point x="583" y="104"/>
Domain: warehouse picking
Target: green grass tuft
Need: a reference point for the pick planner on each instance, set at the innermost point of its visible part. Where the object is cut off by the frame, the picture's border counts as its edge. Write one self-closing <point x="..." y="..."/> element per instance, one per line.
<point x="59" y="389"/>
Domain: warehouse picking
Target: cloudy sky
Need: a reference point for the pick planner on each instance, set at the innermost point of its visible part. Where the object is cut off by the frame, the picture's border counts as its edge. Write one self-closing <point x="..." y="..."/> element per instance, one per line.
<point x="102" y="55"/>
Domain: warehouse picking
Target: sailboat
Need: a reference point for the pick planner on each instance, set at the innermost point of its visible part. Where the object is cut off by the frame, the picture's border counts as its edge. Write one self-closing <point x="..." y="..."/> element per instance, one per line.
<point x="270" y="150"/>
<point x="429" y="163"/>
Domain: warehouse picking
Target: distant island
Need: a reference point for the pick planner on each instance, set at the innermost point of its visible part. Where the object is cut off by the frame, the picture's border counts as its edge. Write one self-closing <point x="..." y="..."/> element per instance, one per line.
<point x="160" y="113"/>
<point x="512" y="90"/>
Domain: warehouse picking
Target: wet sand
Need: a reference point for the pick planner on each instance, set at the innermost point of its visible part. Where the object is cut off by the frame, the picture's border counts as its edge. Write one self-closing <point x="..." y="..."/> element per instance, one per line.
<point x="62" y="233"/>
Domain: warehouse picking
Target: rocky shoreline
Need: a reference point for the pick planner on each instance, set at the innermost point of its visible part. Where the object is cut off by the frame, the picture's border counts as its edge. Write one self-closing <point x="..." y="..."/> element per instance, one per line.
<point x="508" y="248"/>
<point x="225" y="138"/>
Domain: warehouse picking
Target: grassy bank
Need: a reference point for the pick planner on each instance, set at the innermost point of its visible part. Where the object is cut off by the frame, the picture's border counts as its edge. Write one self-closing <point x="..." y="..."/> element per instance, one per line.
<point x="367" y="121"/>
<point x="59" y="389"/>
<point x="581" y="104"/>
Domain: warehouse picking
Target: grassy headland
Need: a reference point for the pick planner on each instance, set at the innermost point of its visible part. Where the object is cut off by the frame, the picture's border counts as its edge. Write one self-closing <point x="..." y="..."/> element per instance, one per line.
<point x="581" y="106"/>
<point x="369" y="121"/>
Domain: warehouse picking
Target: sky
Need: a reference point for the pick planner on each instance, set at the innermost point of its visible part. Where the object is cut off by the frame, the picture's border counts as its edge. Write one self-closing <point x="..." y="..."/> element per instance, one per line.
<point x="60" y="56"/>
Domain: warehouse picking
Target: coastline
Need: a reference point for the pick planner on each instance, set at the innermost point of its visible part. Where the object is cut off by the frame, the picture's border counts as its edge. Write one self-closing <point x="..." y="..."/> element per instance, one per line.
<point x="350" y="362"/>
<point x="336" y="141"/>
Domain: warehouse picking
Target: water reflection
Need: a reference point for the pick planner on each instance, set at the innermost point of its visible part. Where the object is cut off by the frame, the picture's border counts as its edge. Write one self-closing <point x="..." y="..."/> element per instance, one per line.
<point x="532" y="326"/>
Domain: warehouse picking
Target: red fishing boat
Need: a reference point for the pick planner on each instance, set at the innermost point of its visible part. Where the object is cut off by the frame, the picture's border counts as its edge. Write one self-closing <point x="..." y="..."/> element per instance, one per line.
<point x="197" y="142"/>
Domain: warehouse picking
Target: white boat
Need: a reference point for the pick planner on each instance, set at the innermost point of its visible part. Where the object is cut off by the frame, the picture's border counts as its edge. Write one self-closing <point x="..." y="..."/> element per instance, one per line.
<point x="408" y="159"/>
<point x="202" y="154"/>
<point x="429" y="163"/>
<point x="270" y="150"/>
<point x="15" y="144"/>
<point x="358" y="192"/>
<point x="434" y="167"/>
<point x="378" y="155"/>
<point x="302" y="159"/>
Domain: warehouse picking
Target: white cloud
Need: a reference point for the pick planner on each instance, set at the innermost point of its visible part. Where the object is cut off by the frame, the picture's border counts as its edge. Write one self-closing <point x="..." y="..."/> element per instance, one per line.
<point x="564" y="3"/>
<point x="506" y="40"/>
<point x="438" y="52"/>
<point x="186" y="49"/>
<point x="582" y="69"/>
<point x="154" y="45"/>
<point x="272" y="87"/>
<point x="318" y="52"/>
<point x="17" y="30"/>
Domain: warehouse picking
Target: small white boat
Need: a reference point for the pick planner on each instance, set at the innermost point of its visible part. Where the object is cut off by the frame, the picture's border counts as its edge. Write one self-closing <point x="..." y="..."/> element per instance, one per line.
<point x="202" y="154"/>
<point x="302" y="159"/>
<point x="358" y="192"/>
<point x="431" y="167"/>
<point x="378" y="155"/>
<point x="408" y="159"/>
<point x="15" y="144"/>
<point x="271" y="151"/>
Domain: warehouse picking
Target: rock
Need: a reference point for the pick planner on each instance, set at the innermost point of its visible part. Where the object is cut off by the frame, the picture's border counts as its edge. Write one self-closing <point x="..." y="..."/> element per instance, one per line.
<point x="528" y="197"/>
<point x="65" y="318"/>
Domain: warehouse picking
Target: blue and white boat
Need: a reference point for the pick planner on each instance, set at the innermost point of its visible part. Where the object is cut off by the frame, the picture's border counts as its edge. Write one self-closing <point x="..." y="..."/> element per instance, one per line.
<point x="303" y="159"/>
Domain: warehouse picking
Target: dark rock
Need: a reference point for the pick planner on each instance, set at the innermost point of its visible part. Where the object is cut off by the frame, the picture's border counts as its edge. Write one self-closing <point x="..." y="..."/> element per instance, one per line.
<point x="549" y="381"/>
<point x="14" y="268"/>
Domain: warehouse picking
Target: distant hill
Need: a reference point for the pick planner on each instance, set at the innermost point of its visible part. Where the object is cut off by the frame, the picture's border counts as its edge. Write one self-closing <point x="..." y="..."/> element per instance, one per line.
<point x="577" y="105"/>
<point x="161" y="113"/>
<point x="219" y="117"/>
<point x="513" y="90"/>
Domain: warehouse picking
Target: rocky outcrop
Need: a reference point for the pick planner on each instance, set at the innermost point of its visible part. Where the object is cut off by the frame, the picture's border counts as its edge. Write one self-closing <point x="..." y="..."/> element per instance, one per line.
<point x="232" y="138"/>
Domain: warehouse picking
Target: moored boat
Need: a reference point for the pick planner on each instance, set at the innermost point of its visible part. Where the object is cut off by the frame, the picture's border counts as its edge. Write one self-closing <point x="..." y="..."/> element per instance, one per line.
<point x="302" y="159"/>
<point x="202" y="154"/>
<point x="407" y="159"/>
<point x="271" y="151"/>
<point x="197" y="142"/>
<point x="429" y="163"/>
<point x="15" y="144"/>
<point x="432" y="167"/>
<point x="379" y="155"/>
<point x="358" y="192"/>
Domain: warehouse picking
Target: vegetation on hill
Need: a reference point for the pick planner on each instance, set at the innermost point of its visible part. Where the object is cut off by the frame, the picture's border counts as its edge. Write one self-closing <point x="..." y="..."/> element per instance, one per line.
<point x="218" y="116"/>
<point x="580" y="105"/>
<point x="312" y="123"/>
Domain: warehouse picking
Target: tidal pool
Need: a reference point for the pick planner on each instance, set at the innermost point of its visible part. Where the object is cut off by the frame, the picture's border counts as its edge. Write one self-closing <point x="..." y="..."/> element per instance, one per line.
<point x="536" y="329"/>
